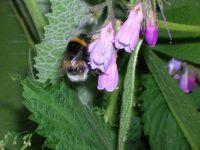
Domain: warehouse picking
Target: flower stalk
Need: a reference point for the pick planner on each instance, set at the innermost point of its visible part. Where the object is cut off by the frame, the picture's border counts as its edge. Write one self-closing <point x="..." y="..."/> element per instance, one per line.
<point x="111" y="14"/>
<point x="109" y="115"/>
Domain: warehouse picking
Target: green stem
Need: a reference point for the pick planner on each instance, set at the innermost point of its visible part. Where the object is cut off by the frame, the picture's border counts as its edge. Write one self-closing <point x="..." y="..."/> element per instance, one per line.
<point x="109" y="115"/>
<point x="37" y="16"/>
<point x="111" y="14"/>
<point x="179" y="27"/>
<point x="128" y="98"/>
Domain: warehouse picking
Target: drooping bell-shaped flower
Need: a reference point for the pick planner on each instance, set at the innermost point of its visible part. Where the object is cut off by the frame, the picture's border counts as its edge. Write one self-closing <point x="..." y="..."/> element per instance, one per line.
<point x="151" y="31"/>
<point x="109" y="79"/>
<point x="188" y="81"/>
<point x="174" y="66"/>
<point x="128" y="35"/>
<point x="102" y="49"/>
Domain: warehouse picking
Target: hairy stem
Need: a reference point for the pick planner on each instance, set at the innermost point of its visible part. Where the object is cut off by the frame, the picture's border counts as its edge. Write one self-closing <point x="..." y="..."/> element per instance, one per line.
<point x="109" y="115"/>
<point x="111" y="14"/>
<point x="128" y="99"/>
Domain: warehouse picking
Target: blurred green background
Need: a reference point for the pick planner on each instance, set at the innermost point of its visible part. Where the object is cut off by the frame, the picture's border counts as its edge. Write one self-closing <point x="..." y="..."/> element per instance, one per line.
<point x="14" y="48"/>
<point x="14" y="62"/>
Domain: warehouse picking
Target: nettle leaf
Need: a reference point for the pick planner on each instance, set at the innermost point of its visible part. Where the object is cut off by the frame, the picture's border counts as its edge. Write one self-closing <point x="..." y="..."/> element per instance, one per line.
<point x="63" y="120"/>
<point x="65" y="21"/>
<point x="180" y="104"/>
<point x="185" y="45"/>
<point x="159" y="123"/>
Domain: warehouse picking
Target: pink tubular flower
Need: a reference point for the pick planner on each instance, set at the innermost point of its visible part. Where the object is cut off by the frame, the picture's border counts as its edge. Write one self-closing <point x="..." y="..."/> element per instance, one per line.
<point x="128" y="35"/>
<point x="151" y="33"/>
<point x="109" y="80"/>
<point x="174" y="66"/>
<point x="102" y="49"/>
<point x="188" y="81"/>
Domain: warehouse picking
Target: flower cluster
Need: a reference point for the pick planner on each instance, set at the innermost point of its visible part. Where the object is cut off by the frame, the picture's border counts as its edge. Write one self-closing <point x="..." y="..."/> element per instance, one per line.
<point x="103" y="57"/>
<point x="186" y="76"/>
<point x="102" y="50"/>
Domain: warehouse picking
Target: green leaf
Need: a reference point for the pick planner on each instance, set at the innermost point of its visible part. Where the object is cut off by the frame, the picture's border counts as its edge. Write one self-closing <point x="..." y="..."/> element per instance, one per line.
<point x="128" y="99"/>
<point x="134" y="141"/>
<point x="181" y="106"/>
<point x="179" y="27"/>
<point x="159" y="123"/>
<point x="65" y="21"/>
<point x="62" y="118"/>
<point x="184" y="51"/>
<point x="184" y="12"/>
<point x="185" y="46"/>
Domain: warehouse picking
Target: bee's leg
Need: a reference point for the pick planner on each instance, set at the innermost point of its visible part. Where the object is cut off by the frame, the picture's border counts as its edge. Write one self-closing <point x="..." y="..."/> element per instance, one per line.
<point x="96" y="72"/>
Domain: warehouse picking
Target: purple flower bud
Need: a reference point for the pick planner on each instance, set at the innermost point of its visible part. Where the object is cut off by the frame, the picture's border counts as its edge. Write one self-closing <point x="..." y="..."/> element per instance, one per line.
<point x="151" y="33"/>
<point x="109" y="80"/>
<point x="174" y="66"/>
<point x="188" y="81"/>
<point x="128" y="35"/>
<point x="102" y="49"/>
<point x="177" y="77"/>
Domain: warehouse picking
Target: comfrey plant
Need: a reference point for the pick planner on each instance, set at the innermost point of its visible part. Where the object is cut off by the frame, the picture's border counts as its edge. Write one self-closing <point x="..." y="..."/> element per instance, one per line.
<point x="100" y="81"/>
<point x="128" y="35"/>
<point x="151" y="30"/>
<point x="103" y="57"/>
<point x="185" y="74"/>
<point x="103" y="53"/>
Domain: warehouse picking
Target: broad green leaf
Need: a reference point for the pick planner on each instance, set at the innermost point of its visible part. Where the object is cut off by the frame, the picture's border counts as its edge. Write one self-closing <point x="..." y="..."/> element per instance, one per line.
<point x="185" y="45"/>
<point x="65" y="21"/>
<point x="184" y="51"/>
<point x="128" y="100"/>
<point x="159" y="123"/>
<point x="181" y="106"/>
<point x="181" y="12"/>
<point x="63" y="120"/>
<point x="179" y="27"/>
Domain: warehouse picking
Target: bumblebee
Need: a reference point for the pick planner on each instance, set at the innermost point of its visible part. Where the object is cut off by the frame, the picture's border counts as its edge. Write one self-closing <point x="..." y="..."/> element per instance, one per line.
<point x="76" y="57"/>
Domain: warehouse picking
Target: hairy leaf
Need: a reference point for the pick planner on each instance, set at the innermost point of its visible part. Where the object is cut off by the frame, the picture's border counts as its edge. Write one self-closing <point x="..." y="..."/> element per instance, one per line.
<point x="159" y="123"/>
<point x="182" y="107"/>
<point x="62" y="118"/>
<point x="128" y="100"/>
<point x="65" y="21"/>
